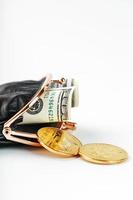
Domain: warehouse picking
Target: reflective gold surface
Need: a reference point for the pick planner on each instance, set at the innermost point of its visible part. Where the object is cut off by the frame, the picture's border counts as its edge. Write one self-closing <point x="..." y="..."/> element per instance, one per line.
<point x="58" y="141"/>
<point x="103" y="153"/>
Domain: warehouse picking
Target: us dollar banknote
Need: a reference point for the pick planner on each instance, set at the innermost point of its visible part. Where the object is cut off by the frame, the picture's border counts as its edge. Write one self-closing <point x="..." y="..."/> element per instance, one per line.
<point x="54" y="105"/>
<point x="69" y="83"/>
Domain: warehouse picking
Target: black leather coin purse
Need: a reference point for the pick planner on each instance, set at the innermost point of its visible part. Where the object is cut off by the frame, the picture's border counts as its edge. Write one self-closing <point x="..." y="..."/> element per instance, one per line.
<point x="16" y="98"/>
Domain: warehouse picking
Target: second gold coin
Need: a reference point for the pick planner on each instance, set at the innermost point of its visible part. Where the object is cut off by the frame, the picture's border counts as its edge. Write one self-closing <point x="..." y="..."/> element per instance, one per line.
<point x="103" y="153"/>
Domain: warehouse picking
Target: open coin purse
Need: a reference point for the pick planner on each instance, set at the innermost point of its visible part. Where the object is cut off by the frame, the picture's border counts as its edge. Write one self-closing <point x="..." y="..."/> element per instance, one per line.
<point x="26" y="106"/>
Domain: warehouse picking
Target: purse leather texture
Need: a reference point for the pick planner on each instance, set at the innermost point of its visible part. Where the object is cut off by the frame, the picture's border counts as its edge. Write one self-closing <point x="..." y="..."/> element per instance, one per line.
<point x="13" y="96"/>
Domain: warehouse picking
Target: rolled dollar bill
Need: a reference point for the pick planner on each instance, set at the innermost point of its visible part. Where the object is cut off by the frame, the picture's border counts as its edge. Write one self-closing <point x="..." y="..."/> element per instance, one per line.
<point x="53" y="106"/>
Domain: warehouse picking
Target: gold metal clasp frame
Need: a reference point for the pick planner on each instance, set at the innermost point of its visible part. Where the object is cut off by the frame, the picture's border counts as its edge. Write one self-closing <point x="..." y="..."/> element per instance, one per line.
<point x="23" y="137"/>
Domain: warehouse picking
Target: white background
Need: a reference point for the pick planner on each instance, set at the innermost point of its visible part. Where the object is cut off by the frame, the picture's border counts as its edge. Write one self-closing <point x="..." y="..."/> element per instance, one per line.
<point x="91" y="41"/>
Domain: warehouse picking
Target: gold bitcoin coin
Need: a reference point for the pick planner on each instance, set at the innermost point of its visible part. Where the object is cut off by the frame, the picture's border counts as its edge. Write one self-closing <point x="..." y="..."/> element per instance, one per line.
<point x="58" y="141"/>
<point x="103" y="153"/>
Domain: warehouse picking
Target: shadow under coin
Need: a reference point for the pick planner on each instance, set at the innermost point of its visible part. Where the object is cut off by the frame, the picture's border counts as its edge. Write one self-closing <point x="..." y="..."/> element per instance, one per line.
<point x="44" y="152"/>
